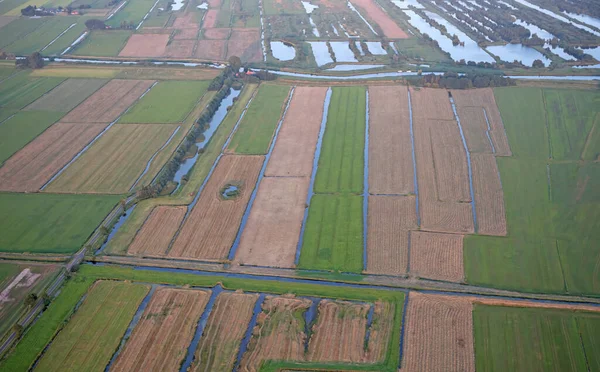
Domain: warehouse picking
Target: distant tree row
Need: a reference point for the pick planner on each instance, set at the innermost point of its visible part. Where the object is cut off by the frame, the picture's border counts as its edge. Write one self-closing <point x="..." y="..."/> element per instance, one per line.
<point x="452" y="80"/>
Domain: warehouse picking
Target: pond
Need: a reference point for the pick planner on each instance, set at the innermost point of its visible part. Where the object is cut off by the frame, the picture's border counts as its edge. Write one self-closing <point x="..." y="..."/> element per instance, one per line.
<point x="342" y="51"/>
<point x="376" y="48"/>
<point x="404" y="4"/>
<point x="556" y="16"/>
<point x="518" y="52"/>
<point x="283" y="52"/>
<point x="541" y="33"/>
<point x="230" y="191"/>
<point x="594" y="22"/>
<point x="321" y="52"/>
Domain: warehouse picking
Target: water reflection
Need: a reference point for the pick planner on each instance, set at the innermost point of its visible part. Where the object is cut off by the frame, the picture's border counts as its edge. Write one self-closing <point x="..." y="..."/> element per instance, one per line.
<point x="282" y="52"/>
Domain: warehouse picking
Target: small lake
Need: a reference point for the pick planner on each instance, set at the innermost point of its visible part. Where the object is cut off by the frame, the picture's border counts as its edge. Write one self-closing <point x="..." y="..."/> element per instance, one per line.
<point x="518" y="52"/>
<point x="283" y="52"/>
<point x="589" y="20"/>
<point x="177" y="5"/>
<point x="376" y="48"/>
<point x="321" y="52"/>
<point x="342" y="51"/>
<point x="404" y="4"/>
<point x="541" y="33"/>
<point x="556" y="16"/>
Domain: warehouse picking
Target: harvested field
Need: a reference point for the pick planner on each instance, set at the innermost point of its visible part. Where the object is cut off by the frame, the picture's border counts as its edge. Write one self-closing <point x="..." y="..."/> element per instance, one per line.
<point x="210" y="19"/>
<point x="180" y="49"/>
<point x="390" y="148"/>
<point x="474" y="125"/>
<point x="159" y="341"/>
<point x="389" y="27"/>
<point x="450" y="161"/>
<point x="217" y="33"/>
<point x="294" y="150"/>
<point x="489" y="197"/>
<point x="211" y="227"/>
<point x="339" y="334"/>
<point x="145" y="45"/>
<point x="279" y="333"/>
<point x="114" y="162"/>
<point x="155" y="235"/>
<point x="437" y="256"/>
<point x="108" y="102"/>
<point x="35" y="164"/>
<point x="446" y="217"/>
<point x="224" y="332"/>
<point x="430" y="103"/>
<point x="381" y="331"/>
<point x="271" y="235"/>
<point x="92" y="335"/>
<point x="186" y="21"/>
<point x="187" y="34"/>
<point x="67" y="95"/>
<point x="214" y="3"/>
<point x="245" y="43"/>
<point x="213" y="50"/>
<point x="388" y="223"/>
<point x="485" y="99"/>
<point x="438" y="334"/>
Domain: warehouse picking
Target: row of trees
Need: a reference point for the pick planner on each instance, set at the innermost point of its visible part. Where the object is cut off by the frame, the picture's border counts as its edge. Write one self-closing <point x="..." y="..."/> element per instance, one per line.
<point x="452" y="80"/>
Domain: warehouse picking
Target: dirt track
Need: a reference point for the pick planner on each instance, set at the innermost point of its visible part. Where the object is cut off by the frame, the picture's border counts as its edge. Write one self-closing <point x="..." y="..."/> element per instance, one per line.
<point x="155" y="235"/>
<point x="437" y="256"/>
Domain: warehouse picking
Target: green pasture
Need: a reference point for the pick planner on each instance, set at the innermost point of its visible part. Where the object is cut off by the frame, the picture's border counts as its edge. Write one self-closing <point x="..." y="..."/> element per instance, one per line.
<point x="63" y="42"/>
<point x="48" y="223"/>
<point x="256" y="129"/>
<point x="415" y="48"/>
<point x="101" y="43"/>
<point x="8" y="5"/>
<point x="529" y="339"/>
<point x="133" y="12"/>
<point x="23" y="127"/>
<point x="36" y="40"/>
<point x="333" y="238"/>
<point x="20" y="90"/>
<point x="341" y="164"/>
<point x="67" y="95"/>
<point x="19" y="29"/>
<point x="167" y="102"/>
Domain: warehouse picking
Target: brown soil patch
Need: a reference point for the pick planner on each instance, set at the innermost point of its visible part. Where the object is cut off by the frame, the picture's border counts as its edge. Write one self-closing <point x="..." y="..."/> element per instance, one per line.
<point x="224" y="332"/>
<point x="278" y="335"/>
<point x="35" y="164"/>
<point x="108" y="102"/>
<point x="390" y="148"/>
<point x="155" y="235"/>
<point x="186" y="33"/>
<point x="211" y="227"/>
<point x="430" y="103"/>
<point x="381" y="330"/>
<point x="389" y="27"/>
<point x="438" y="334"/>
<point x="294" y="150"/>
<point x="217" y="33"/>
<point x="154" y="30"/>
<point x="159" y="341"/>
<point x="245" y="43"/>
<point x="180" y="49"/>
<point x="213" y="50"/>
<point x="437" y="256"/>
<point x="186" y="21"/>
<point x="489" y="197"/>
<point x="210" y="19"/>
<point x="339" y="334"/>
<point x="389" y="220"/>
<point x="484" y="98"/>
<point x="447" y="217"/>
<point x="474" y="126"/>
<point x="540" y="305"/>
<point x="214" y="3"/>
<point x="24" y="279"/>
<point x="145" y="45"/>
<point x="273" y="228"/>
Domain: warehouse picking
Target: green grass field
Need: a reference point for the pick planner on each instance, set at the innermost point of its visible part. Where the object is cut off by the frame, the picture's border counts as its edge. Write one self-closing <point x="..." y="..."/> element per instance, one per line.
<point x="333" y="239"/>
<point x="62" y="43"/>
<point x="102" y="43"/>
<point x="19" y="130"/>
<point x="46" y="223"/>
<point x="167" y="102"/>
<point x="417" y="49"/>
<point x="94" y="332"/>
<point x="552" y="228"/>
<point x="133" y="12"/>
<point x="19" y="29"/>
<point x="8" y="5"/>
<point x="256" y="130"/>
<point x="35" y="41"/>
<point x="6" y="71"/>
<point x="20" y="90"/>
<point x="7" y="271"/>
<point x="528" y="339"/>
<point x="6" y="113"/>
<point x="114" y="162"/>
<point x="67" y="95"/>
<point x="341" y="164"/>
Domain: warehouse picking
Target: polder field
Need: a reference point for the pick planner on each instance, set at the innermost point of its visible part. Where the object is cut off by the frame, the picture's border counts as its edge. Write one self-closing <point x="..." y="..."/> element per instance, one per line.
<point x="164" y="206"/>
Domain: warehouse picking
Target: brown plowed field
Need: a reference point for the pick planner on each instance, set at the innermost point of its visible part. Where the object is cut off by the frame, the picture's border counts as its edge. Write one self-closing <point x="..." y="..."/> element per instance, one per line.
<point x="186" y="21"/>
<point x="484" y="98"/>
<point x="155" y="235"/>
<point x="211" y="50"/>
<point x="381" y="330"/>
<point x="489" y="197"/>
<point x="187" y="33"/>
<point x="437" y="256"/>
<point x="217" y="33"/>
<point x="388" y="222"/>
<point x="35" y="164"/>
<point x="224" y="332"/>
<point x="159" y="341"/>
<point x="447" y="217"/>
<point x="214" y="3"/>
<point x="294" y="150"/>
<point x="278" y="335"/>
<point x="339" y="334"/>
<point x="474" y="126"/>
<point x="245" y="43"/>
<point x="211" y="227"/>
<point x="145" y="45"/>
<point x="108" y="102"/>
<point x="210" y="19"/>
<point x="438" y="334"/>
<point x="390" y="147"/>
<point x="271" y="234"/>
<point x="429" y="103"/>
<point x="450" y="160"/>
<point x="390" y="29"/>
<point x="180" y="49"/>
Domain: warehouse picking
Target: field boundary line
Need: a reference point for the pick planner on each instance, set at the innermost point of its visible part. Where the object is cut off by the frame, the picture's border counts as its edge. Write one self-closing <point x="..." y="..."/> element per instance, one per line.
<point x="249" y="330"/>
<point x="58" y="37"/>
<point x="365" y="193"/>
<point x="414" y="160"/>
<point x="551" y="152"/>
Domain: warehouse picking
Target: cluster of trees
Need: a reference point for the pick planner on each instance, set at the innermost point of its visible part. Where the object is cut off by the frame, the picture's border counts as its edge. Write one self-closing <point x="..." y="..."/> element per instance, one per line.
<point x="33" y="61"/>
<point x="452" y="80"/>
<point x="32" y="10"/>
<point x="95" y="24"/>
